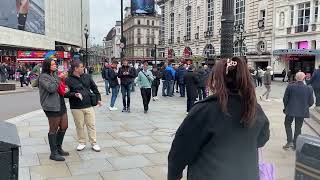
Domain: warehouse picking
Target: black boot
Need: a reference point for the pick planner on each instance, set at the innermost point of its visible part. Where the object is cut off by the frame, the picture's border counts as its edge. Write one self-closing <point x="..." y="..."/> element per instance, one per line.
<point x="54" y="149"/>
<point x="60" y="136"/>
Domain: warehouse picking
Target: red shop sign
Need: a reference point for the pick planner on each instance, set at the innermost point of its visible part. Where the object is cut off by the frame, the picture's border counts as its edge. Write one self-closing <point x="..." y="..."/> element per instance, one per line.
<point x="170" y="53"/>
<point x="187" y="52"/>
<point x="31" y="54"/>
<point x="63" y="55"/>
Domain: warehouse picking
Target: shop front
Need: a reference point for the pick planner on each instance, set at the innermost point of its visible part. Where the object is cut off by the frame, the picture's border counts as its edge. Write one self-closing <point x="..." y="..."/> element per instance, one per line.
<point x="296" y="60"/>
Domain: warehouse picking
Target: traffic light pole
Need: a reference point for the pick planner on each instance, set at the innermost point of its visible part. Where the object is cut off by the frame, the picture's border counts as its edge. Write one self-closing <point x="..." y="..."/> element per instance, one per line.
<point x="155" y="54"/>
<point x="122" y="37"/>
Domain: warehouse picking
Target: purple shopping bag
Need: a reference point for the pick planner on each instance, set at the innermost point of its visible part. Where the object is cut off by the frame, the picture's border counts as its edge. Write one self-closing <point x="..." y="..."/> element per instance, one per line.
<point x="266" y="170"/>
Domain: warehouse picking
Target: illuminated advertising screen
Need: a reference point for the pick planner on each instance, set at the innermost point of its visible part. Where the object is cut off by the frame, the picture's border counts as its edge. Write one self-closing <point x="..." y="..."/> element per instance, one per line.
<point x="142" y="6"/>
<point x="24" y="15"/>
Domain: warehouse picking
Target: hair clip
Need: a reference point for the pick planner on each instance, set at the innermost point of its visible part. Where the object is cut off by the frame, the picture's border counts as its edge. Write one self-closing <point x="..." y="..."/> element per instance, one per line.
<point x="229" y="64"/>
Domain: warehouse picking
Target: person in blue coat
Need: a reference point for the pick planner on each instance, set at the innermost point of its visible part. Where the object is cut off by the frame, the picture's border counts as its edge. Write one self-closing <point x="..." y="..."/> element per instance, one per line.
<point x="297" y="99"/>
<point x="315" y="83"/>
<point x="170" y="75"/>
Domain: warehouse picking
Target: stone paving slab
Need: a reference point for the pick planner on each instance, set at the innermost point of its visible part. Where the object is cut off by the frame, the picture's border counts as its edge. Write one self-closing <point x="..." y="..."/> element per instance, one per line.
<point x="134" y="145"/>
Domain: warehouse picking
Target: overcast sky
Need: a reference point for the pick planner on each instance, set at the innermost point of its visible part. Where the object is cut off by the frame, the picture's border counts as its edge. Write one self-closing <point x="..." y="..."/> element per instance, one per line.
<point x="103" y="16"/>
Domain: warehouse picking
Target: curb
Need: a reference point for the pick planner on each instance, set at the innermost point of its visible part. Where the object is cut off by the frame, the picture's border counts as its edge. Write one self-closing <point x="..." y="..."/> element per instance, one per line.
<point x="24" y="116"/>
<point x="17" y="92"/>
<point x="315" y="115"/>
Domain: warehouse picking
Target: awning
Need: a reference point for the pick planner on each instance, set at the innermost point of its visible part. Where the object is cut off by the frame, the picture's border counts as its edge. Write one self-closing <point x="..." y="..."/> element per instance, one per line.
<point x="296" y="52"/>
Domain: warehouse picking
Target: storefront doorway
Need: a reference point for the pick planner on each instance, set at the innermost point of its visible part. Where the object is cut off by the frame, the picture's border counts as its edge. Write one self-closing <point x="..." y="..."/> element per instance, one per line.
<point x="262" y="65"/>
<point x="305" y="64"/>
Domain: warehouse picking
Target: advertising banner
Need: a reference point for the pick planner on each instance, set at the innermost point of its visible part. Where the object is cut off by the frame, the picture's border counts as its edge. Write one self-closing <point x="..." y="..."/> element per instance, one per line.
<point x="142" y="7"/>
<point x="25" y="15"/>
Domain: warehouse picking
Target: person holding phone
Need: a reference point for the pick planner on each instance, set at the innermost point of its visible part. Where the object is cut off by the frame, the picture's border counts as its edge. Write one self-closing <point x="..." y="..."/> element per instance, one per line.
<point x="81" y="89"/>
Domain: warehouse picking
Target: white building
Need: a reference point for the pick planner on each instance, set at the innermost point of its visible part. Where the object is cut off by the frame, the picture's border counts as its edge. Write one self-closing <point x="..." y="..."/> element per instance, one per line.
<point x="296" y="35"/>
<point x="61" y="24"/>
<point x="112" y="43"/>
<point x="190" y="29"/>
<point x="142" y="34"/>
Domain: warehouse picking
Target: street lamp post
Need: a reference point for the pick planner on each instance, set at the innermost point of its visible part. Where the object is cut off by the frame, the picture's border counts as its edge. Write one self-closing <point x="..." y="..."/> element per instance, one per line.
<point x="122" y="40"/>
<point x="86" y="35"/>
<point x="227" y="23"/>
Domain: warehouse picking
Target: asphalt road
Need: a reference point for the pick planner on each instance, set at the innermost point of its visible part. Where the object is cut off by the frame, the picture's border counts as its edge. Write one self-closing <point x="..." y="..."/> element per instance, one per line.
<point x="13" y="105"/>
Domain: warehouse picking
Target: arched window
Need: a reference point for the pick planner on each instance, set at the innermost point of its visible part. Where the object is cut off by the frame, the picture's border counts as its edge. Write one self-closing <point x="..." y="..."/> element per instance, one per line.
<point x="240" y="11"/>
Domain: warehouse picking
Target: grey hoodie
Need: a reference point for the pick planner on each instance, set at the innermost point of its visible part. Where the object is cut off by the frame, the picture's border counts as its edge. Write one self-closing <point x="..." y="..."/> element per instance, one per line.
<point x="49" y="97"/>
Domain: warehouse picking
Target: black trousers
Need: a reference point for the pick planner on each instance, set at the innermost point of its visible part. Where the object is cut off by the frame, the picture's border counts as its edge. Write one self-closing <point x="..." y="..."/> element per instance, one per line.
<point x="317" y="94"/>
<point x="298" y="125"/>
<point x="190" y="103"/>
<point x="155" y="89"/>
<point x="259" y="81"/>
<point x="146" y="96"/>
<point x="202" y="93"/>
<point x="126" y="94"/>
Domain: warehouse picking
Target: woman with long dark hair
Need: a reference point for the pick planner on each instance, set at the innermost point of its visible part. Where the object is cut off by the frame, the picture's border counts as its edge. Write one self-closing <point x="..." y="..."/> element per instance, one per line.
<point x="54" y="106"/>
<point x="220" y="136"/>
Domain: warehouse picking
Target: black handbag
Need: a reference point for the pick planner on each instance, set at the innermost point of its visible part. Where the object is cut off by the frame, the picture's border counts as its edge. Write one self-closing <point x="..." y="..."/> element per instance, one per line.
<point x="93" y="97"/>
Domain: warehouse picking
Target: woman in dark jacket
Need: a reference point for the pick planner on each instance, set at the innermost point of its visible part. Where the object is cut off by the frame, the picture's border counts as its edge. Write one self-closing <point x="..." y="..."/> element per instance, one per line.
<point x="54" y="106"/>
<point x="191" y="80"/>
<point x="202" y="83"/>
<point x="220" y="136"/>
<point x="155" y="83"/>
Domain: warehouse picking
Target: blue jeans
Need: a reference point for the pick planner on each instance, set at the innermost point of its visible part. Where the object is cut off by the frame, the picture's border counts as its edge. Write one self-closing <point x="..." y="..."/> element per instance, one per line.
<point x="115" y="92"/>
<point x="106" y="83"/>
<point x="182" y="88"/>
<point x="126" y="92"/>
<point x="170" y="88"/>
<point x="164" y="88"/>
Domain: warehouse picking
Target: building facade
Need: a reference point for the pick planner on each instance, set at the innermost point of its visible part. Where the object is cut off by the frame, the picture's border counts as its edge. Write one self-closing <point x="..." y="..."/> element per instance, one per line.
<point x="142" y="37"/>
<point x="62" y="27"/>
<point x="296" y="36"/>
<point x="112" y="43"/>
<point x="190" y="29"/>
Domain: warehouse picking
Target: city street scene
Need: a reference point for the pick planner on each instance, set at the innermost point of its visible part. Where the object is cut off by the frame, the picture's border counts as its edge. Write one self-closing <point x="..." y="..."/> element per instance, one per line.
<point x="160" y="90"/>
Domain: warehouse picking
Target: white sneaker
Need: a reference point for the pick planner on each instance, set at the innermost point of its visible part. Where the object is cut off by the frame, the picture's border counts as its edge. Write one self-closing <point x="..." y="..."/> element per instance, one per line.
<point x="96" y="148"/>
<point x="268" y="100"/>
<point x="113" y="108"/>
<point x="81" y="147"/>
<point x="154" y="99"/>
<point x="157" y="98"/>
<point x="187" y="113"/>
<point x="260" y="98"/>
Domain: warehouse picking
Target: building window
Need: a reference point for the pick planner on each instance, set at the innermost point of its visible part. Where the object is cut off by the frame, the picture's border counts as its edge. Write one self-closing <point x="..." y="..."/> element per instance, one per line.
<point x="261" y="46"/>
<point x="198" y="12"/>
<point x="139" y="41"/>
<point x="148" y="32"/>
<point x="162" y="28"/>
<point x="152" y="40"/>
<point x="179" y="19"/>
<point x="291" y="15"/>
<point x="148" y="22"/>
<point x="210" y="19"/>
<point x="152" y="32"/>
<point x="148" y="40"/>
<point x="139" y="22"/>
<point x="240" y="12"/>
<point x="316" y="11"/>
<point x="188" y="27"/>
<point x="152" y="23"/>
<point x="281" y="22"/>
<point x="172" y="26"/>
<point x="139" y="31"/>
<point x="289" y="45"/>
<point x="239" y="49"/>
<point x="303" y="17"/>
<point x="172" y="3"/>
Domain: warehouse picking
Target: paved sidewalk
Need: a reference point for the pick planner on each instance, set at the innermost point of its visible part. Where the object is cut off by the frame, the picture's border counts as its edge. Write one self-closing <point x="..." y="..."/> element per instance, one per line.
<point x="134" y="146"/>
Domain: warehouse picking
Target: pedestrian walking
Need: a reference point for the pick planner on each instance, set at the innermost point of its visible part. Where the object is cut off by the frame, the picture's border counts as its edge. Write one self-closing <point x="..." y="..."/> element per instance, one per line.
<point x="156" y="82"/>
<point x="126" y="75"/>
<point x="267" y="84"/>
<point x="105" y="77"/>
<point x="164" y="81"/>
<point x="170" y="74"/>
<point x="3" y="72"/>
<point x="315" y="83"/>
<point x="229" y="119"/>
<point x="283" y="74"/>
<point x="180" y="78"/>
<point x="53" y="104"/>
<point x="136" y="71"/>
<point x="176" y="84"/>
<point x="144" y="81"/>
<point x="297" y="99"/>
<point x="253" y="73"/>
<point x="202" y="94"/>
<point x="22" y="75"/>
<point x="114" y="84"/>
<point x="192" y="82"/>
<point x="260" y="73"/>
<point x="83" y="95"/>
